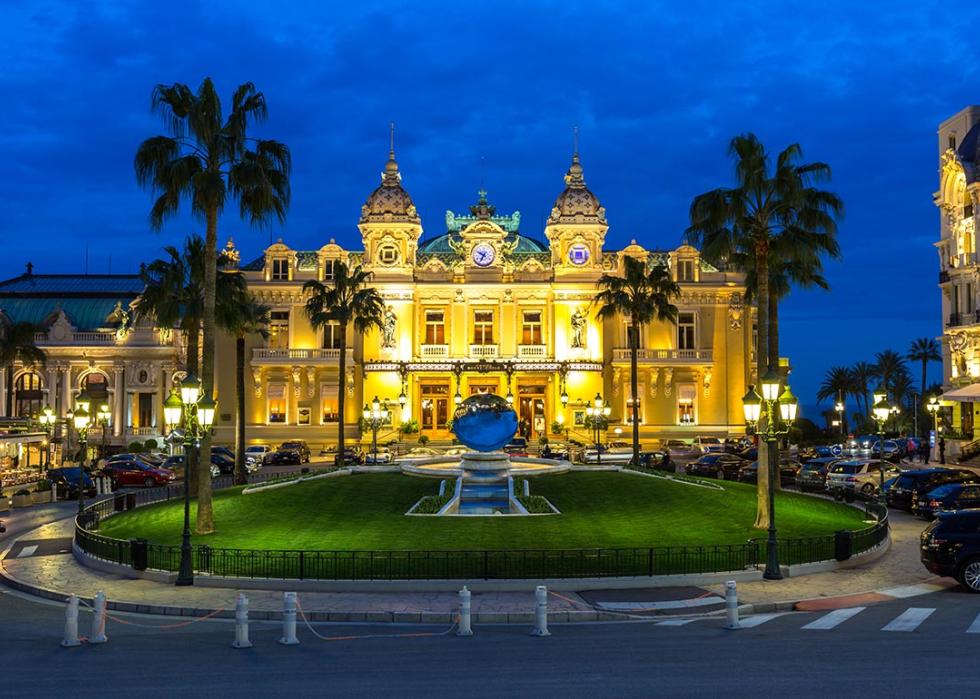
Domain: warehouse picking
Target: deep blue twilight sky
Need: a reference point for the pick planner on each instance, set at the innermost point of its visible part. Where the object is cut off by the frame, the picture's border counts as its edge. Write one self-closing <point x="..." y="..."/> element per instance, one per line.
<point x="657" y="88"/>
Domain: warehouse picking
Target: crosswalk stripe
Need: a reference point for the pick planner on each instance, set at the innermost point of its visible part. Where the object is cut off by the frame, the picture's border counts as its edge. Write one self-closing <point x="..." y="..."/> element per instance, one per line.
<point x="975" y="626"/>
<point x="833" y="619"/>
<point x="758" y="619"/>
<point x="674" y="622"/>
<point x="27" y="552"/>
<point x="909" y="620"/>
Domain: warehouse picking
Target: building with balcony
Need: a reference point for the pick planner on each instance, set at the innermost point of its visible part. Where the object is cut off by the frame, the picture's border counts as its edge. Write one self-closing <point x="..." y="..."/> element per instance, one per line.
<point x="484" y="307"/>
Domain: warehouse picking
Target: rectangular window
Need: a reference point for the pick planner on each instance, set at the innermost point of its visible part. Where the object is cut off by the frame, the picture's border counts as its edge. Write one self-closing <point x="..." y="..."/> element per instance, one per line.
<point x="482" y="327"/>
<point x="685" y="270"/>
<point x="685" y="331"/>
<point x="531" y="331"/>
<point x="388" y="254"/>
<point x="277" y="402"/>
<point x="328" y="403"/>
<point x="279" y="330"/>
<point x="685" y="404"/>
<point x="145" y="413"/>
<point x="634" y="336"/>
<point x="628" y="412"/>
<point x="435" y="327"/>
<point x="331" y="336"/>
<point x="328" y="269"/>
<point x="280" y="269"/>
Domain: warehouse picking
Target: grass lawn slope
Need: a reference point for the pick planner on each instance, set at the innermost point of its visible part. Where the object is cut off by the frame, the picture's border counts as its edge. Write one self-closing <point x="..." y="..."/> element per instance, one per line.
<point x="598" y="510"/>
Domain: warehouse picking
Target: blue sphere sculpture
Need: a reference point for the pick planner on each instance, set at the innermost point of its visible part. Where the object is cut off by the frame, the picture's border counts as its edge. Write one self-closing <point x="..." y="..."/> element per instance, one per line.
<point x="484" y="422"/>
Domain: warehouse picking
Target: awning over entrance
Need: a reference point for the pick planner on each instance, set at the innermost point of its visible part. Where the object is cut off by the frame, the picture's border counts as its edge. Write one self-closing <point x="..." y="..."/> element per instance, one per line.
<point x="967" y="394"/>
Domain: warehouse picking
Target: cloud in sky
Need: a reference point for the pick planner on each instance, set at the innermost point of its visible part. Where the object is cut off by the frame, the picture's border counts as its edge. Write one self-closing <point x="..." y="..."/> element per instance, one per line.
<point x="657" y="89"/>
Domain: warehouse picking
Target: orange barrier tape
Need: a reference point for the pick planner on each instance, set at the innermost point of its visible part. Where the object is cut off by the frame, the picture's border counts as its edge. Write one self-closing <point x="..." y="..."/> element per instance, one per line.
<point x="373" y="635"/>
<point x="164" y="626"/>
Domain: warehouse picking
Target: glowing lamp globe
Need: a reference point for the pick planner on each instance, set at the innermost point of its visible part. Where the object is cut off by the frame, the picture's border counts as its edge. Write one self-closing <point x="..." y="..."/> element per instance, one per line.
<point x="484" y="422"/>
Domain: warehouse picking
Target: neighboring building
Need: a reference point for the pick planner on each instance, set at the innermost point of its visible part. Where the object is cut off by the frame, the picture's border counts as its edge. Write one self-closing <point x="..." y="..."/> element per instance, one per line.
<point x="483" y="307"/>
<point x="958" y="200"/>
<point x="91" y="343"/>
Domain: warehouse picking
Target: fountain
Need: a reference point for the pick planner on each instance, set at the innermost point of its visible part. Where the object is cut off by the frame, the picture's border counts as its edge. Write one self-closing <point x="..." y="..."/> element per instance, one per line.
<point x="484" y="423"/>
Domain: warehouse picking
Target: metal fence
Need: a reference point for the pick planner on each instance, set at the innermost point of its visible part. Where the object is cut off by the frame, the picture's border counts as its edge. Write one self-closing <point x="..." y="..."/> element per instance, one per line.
<point x="450" y="565"/>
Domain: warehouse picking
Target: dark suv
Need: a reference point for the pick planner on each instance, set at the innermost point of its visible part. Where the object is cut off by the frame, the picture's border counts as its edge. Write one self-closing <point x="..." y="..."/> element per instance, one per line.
<point x="950" y="546"/>
<point x="300" y="446"/>
<point x="912" y="485"/>
<point x="947" y="498"/>
<point x="723" y="466"/>
<point x="812" y="475"/>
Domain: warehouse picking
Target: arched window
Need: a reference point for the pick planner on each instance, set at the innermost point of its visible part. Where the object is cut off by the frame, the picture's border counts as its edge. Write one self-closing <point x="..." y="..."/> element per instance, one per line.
<point x="28" y="397"/>
<point x="97" y="387"/>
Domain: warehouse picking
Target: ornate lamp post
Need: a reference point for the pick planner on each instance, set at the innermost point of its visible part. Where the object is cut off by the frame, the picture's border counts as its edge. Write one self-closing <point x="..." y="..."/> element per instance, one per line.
<point x="881" y="411"/>
<point x="47" y="418"/>
<point x="840" y="407"/>
<point x="779" y="411"/>
<point x="597" y="415"/>
<point x="375" y="416"/>
<point x="104" y="419"/>
<point x="933" y="407"/>
<point x="193" y="412"/>
<point x="81" y="419"/>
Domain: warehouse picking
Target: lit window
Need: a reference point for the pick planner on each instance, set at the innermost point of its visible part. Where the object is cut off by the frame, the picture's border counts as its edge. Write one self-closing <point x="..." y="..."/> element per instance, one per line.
<point x="685" y="270"/>
<point x="277" y="402"/>
<point x="435" y="327"/>
<point x="280" y="269"/>
<point x="28" y="394"/>
<point x="328" y="403"/>
<point x="483" y="327"/>
<point x="685" y="331"/>
<point x="685" y="404"/>
<point x="628" y="413"/>
<point x="578" y="254"/>
<point x="329" y="269"/>
<point x="388" y="254"/>
<point x="531" y="331"/>
<point x="279" y="330"/>
<point x="331" y="336"/>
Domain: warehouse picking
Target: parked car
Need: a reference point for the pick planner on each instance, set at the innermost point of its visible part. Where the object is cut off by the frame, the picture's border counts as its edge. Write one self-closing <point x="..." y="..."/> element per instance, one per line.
<point x="950" y="546"/>
<point x="65" y="481"/>
<point x="256" y="452"/>
<point x="129" y="459"/>
<point x="911" y="485"/>
<point x="153" y="458"/>
<point x="554" y="452"/>
<point x="812" y="476"/>
<point x="612" y="453"/>
<point x="516" y="447"/>
<point x="224" y="451"/>
<point x="679" y="447"/>
<point x="894" y="450"/>
<point x="858" y="476"/>
<point x="420" y="453"/>
<point x="948" y="498"/>
<point x="283" y="456"/>
<point x="300" y="446"/>
<point x="655" y="459"/>
<point x="722" y="466"/>
<point x="709" y="445"/>
<point x="352" y="457"/>
<point x="787" y="472"/>
<point x="382" y="456"/>
<point x="136" y="473"/>
<point x="820" y="451"/>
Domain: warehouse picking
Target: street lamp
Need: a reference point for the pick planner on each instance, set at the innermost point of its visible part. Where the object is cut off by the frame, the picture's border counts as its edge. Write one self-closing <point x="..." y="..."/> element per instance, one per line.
<point x="882" y="411"/>
<point x="779" y="411"/>
<point x="375" y="416"/>
<point x="81" y="419"/>
<point x="509" y="397"/>
<point x="933" y="407"/>
<point x="840" y="408"/>
<point x="192" y="411"/>
<point x="47" y="419"/>
<point x="103" y="419"/>
<point x="597" y="417"/>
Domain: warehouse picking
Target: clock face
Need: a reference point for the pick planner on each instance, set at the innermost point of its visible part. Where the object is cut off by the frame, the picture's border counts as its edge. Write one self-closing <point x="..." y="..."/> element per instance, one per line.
<point x="578" y="254"/>
<point x="483" y="254"/>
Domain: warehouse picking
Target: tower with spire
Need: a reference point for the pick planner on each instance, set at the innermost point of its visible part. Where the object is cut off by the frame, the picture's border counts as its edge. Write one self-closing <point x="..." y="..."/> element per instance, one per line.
<point x="390" y="225"/>
<point x="576" y="227"/>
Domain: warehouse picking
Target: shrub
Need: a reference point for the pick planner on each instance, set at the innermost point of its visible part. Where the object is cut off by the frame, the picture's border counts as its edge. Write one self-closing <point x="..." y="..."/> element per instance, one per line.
<point x="150" y="445"/>
<point x="42" y="486"/>
<point x="135" y="447"/>
<point x="557" y="427"/>
<point x="410" y="427"/>
<point x="423" y="439"/>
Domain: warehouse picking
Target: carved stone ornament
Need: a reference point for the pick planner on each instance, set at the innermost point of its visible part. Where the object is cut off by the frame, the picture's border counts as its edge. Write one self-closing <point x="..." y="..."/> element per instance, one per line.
<point x="310" y="381"/>
<point x="735" y="311"/>
<point x="668" y="381"/>
<point x="617" y="377"/>
<point x="296" y="381"/>
<point x="388" y="323"/>
<point x="257" y="380"/>
<point x="707" y="382"/>
<point x="654" y="380"/>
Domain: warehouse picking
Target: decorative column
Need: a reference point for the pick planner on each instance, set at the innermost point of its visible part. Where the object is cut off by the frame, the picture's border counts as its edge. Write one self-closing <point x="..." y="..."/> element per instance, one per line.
<point x="51" y="387"/>
<point x="66" y="395"/>
<point x="118" y="400"/>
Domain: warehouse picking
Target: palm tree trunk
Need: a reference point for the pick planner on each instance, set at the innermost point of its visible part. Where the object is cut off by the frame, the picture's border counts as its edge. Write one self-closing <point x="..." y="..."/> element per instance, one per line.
<point x="341" y="391"/>
<point x="634" y="388"/>
<point x="192" y="458"/>
<point x="762" y="366"/>
<point x="240" y="476"/>
<point x="9" y="407"/>
<point x="774" y="346"/>
<point x="205" y="512"/>
<point x="922" y="400"/>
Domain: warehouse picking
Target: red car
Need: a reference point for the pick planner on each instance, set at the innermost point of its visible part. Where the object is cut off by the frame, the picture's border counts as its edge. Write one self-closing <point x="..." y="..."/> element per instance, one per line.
<point x="138" y="474"/>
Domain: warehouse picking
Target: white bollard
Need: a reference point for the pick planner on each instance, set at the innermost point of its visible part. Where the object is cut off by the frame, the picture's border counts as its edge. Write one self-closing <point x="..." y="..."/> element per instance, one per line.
<point x="289" y="619"/>
<point x="731" y="605"/>
<point x="465" y="629"/>
<point x="241" y="623"/>
<point x="98" y="619"/>
<point x="71" y="624"/>
<point x="54" y="493"/>
<point x="541" y="612"/>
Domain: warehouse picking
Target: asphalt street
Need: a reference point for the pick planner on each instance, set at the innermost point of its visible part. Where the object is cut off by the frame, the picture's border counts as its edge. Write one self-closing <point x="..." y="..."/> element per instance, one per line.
<point x="931" y="652"/>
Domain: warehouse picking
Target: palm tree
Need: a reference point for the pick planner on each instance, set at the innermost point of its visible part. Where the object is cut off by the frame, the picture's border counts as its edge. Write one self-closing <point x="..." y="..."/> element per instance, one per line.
<point x="244" y="316"/>
<point x="924" y="350"/>
<point x="349" y="300"/>
<point x="206" y="159"/>
<point x="888" y="367"/>
<point x="173" y="295"/>
<point x="643" y="294"/>
<point x="863" y="373"/>
<point x="837" y="384"/>
<point x="17" y="345"/>
<point x="769" y="214"/>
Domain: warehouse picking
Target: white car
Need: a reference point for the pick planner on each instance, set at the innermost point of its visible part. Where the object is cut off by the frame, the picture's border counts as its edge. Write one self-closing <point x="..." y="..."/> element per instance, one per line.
<point x="709" y="445"/>
<point x="382" y="456"/>
<point x="859" y="476"/>
<point x="255" y="453"/>
<point x="419" y="453"/>
<point x="612" y="453"/>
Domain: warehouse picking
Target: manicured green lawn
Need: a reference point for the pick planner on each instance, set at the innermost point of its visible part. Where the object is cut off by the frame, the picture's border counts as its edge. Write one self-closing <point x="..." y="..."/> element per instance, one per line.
<point x="598" y="510"/>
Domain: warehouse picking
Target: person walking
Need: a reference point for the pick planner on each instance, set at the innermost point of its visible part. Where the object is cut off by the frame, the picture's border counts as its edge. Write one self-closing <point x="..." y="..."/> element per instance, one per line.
<point x="910" y="449"/>
<point x="924" y="451"/>
<point x="942" y="450"/>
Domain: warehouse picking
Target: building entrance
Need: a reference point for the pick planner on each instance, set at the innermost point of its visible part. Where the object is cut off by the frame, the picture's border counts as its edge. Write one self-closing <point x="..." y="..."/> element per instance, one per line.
<point x="531" y="421"/>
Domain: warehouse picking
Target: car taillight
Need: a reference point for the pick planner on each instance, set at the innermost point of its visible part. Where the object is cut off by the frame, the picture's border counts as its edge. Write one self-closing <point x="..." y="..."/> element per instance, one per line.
<point x="851" y="479"/>
<point x="933" y="503"/>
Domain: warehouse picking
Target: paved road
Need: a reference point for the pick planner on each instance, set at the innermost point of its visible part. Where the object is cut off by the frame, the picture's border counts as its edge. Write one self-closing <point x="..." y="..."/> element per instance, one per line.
<point x="929" y="652"/>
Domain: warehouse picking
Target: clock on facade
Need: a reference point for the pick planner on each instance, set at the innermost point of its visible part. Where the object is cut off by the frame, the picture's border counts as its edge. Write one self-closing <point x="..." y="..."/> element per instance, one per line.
<point x="483" y="254"/>
<point x="578" y="254"/>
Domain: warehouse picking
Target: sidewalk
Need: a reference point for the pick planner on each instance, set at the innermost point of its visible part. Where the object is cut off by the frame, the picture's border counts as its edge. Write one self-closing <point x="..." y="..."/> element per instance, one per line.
<point x="37" y="564"/>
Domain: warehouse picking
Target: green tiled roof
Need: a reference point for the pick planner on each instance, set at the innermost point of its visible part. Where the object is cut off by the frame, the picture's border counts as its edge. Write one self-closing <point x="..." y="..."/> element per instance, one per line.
<point x="84" y="313"/>
<point x="440" y="244"/>
<point x="73" y="284"/>
<point x="87" y="299"/>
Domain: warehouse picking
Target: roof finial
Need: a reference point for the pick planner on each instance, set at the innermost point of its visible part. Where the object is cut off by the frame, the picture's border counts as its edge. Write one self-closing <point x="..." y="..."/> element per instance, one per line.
<point x="30" y="268"/>
<point x="391" y="150"/>
<point x="575" y="143"/>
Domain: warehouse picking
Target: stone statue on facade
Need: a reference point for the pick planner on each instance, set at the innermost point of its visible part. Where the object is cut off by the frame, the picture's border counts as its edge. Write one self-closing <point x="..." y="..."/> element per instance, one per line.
<point x="388" y="329"/>
<point x="578" y="329"/>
